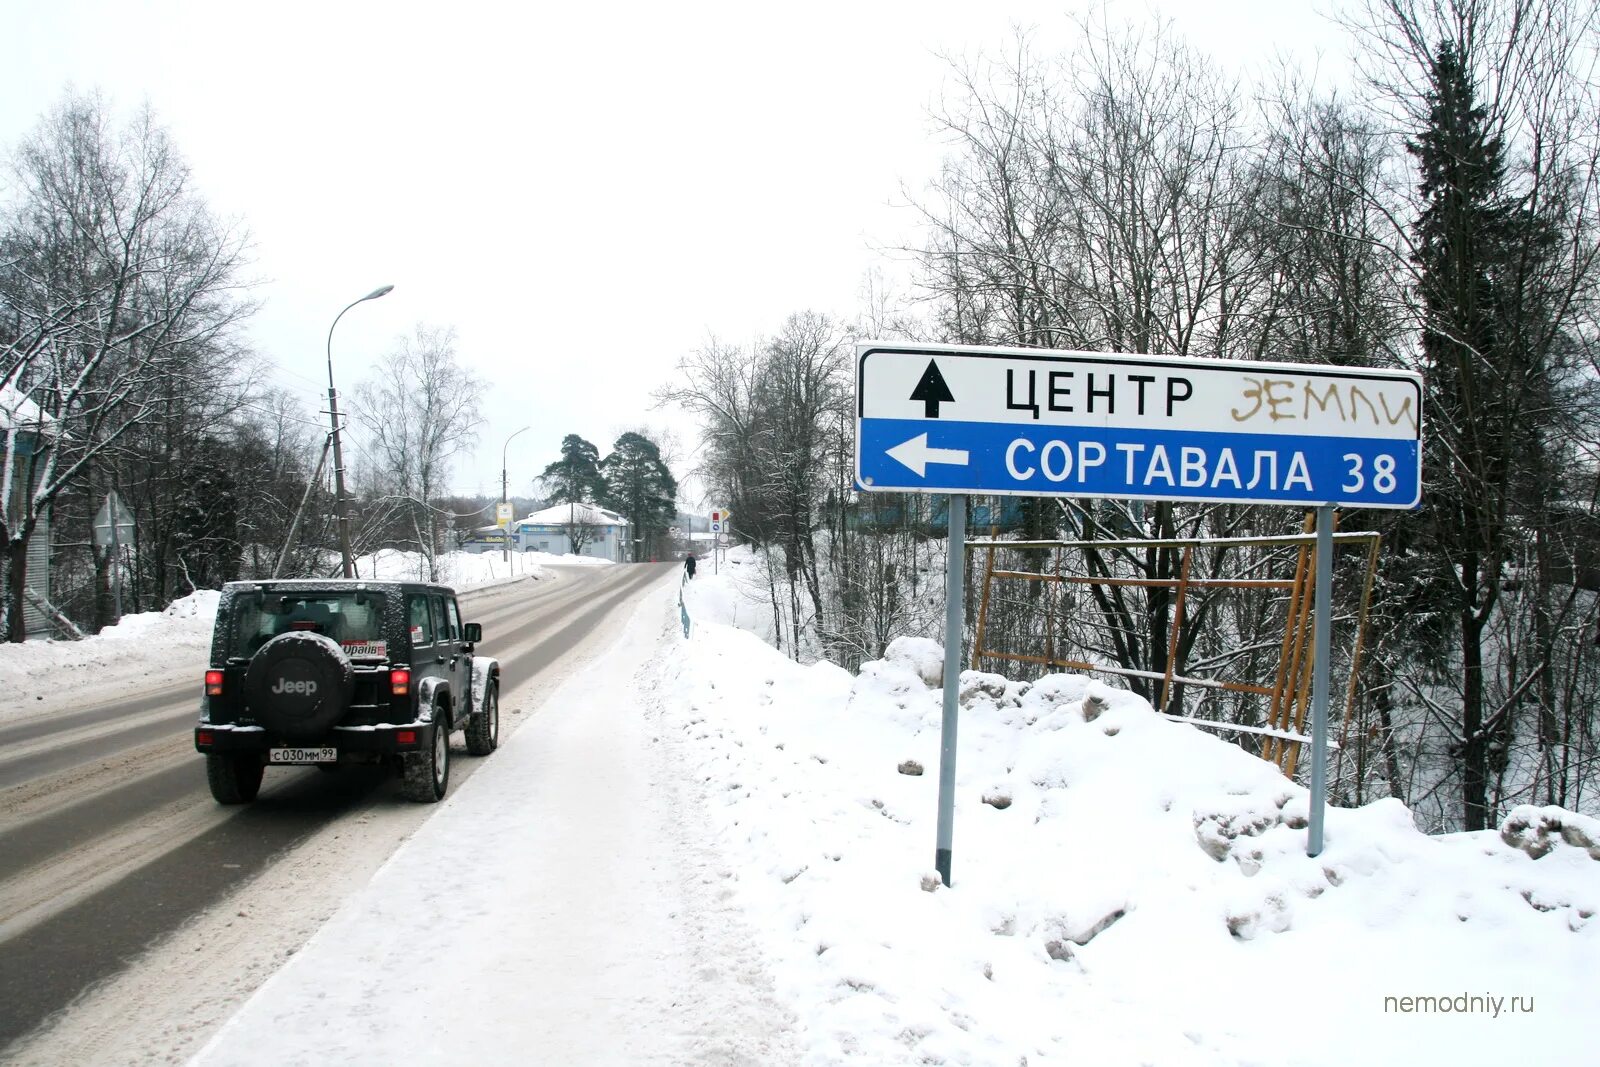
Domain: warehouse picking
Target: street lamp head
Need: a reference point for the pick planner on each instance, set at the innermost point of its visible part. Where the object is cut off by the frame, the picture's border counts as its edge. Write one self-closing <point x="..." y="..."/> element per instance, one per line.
<point x="382" y="290"/>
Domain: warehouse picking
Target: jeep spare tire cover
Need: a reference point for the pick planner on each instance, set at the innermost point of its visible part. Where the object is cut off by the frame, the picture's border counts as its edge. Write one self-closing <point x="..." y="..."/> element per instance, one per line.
<point x="298" y="685"/>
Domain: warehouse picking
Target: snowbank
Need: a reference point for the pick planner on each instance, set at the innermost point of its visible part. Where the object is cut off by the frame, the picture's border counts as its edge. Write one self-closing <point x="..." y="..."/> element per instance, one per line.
<point x="150" y="648"/>
<point x="1126" y="889"/>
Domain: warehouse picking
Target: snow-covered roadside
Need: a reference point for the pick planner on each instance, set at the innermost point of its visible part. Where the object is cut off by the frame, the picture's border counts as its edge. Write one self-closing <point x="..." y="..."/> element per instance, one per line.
<point x="158" y="649"/>
<point x="148" y="651"/>
<point x="459" y="570"/>
<point x="698" y="851"/>
<point x="560" y="907"/>
<point x="1126" y="889"/>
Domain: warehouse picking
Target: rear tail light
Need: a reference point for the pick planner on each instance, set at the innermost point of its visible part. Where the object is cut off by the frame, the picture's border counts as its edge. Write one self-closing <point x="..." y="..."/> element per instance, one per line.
<point x="399" y="681"/>
<point x="405" y="737"/>
<point x="204" y="737"/>
<point x="213" y="683"/>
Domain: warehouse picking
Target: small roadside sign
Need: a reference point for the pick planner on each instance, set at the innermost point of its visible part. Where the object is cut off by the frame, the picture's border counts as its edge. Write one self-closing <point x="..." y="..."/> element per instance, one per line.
<point x="113" y="528"/>
<point x="113" y="523"/>
<point x="503" y="512"/>
<point x="961" y="419"/>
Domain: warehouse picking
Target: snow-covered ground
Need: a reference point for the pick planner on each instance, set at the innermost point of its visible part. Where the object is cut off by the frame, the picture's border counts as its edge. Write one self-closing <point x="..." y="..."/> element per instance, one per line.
<point x="1125" y="889"/>
<point x="698" y="851"/>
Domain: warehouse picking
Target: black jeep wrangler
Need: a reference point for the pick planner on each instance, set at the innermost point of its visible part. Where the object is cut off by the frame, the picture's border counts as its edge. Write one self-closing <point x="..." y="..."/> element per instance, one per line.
<point x="343" y="671"/>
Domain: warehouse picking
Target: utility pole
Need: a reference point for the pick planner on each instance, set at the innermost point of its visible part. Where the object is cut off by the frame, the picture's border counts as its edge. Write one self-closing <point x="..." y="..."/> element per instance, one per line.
<point x="505" y="500"/>
<point x="341" y="510"/>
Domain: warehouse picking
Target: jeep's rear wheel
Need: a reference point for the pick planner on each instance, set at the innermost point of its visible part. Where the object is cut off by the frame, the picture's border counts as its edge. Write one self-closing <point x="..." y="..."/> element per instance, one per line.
<point x="427" y="774"/>
<point x="483" y="729"/>
<point x="234" y="779"/>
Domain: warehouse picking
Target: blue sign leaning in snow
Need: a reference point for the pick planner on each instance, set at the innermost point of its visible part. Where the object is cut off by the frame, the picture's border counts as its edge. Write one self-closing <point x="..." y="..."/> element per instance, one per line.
<point x="958" y="419"/>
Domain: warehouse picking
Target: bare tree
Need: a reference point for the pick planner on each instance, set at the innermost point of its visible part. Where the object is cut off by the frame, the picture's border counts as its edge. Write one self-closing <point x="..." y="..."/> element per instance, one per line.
<point x="114" y="279"/>
<point x="771" y="412"/>
<point x="1107" y="200"/>
<point x="282" y="455"/>
<point x="419" y="411"/>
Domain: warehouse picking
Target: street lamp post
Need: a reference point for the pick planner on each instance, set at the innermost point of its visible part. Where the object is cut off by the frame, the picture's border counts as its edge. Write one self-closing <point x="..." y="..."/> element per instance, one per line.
<point x="505" y="534"/>
<point x="340" y="510"/>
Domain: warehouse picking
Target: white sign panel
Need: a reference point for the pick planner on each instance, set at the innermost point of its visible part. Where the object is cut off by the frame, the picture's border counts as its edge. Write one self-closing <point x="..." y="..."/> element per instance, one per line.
<point x="113" y="523"/>
<point x="958" y="419"/>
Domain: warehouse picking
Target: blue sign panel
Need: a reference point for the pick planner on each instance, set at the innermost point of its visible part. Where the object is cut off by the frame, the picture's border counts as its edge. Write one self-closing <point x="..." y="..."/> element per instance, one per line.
<point x="1016" y="421"/>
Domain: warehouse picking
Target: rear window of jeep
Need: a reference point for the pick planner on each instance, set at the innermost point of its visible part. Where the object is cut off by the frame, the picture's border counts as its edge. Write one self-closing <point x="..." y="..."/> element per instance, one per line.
<point x="354" y="620"/>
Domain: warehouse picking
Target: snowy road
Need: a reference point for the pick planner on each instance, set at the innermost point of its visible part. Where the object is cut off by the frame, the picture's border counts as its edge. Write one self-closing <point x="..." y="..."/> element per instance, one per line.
<point x="114" y="852"/>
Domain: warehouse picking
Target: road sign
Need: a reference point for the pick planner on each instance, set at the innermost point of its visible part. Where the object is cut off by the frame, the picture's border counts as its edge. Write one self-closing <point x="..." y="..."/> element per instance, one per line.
<point x="503" y="513"/>
<point x="113" y="528"/>
<point x="107" y="534"/>
<point x="1031" y="422"/>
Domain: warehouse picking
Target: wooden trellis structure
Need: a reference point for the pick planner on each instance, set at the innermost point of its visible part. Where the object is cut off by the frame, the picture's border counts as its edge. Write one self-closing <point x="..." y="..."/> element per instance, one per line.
<point x="1287" y="693"/>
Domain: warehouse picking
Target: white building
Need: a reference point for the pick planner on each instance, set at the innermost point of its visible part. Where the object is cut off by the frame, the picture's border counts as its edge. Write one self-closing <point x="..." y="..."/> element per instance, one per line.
<point x="34" y="429"/>
<point x="483" y="539"/>
<point x="598" y="532"/>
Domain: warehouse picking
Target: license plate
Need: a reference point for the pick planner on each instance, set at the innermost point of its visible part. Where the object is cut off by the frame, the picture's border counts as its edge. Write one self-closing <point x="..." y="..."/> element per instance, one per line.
<point x="303" y="755"/>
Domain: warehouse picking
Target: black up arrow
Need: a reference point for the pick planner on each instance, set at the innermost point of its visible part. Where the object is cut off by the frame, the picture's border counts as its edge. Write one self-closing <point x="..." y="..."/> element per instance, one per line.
<point x="932" y="391"/>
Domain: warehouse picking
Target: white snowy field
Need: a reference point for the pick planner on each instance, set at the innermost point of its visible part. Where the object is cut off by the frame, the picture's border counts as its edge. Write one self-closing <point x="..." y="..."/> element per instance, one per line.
<point x="699" y="852"/>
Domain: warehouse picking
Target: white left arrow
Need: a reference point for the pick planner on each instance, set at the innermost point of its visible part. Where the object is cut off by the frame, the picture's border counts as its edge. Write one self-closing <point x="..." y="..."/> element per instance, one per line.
<point x="916" y="455"/>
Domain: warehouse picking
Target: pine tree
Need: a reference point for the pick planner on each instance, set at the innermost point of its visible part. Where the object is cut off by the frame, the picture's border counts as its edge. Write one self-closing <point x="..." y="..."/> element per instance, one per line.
<point x="575" y="478"/>
<point x="641" y="488"/>
<point x="1476" y="246"/>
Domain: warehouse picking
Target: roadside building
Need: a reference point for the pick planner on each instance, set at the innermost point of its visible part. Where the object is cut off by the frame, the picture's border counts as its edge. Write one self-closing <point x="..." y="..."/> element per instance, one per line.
<point x="490" y="538"/>
<point x="25" y="433"/>
<point x="579" y="529"/>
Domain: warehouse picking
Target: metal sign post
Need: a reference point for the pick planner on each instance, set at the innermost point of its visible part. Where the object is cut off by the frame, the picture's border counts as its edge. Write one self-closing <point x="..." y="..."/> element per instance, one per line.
<point x="1323" y="641"/>
<point x="959" y="419"/>
<point x="114" y="527"/>
<point x="719" y="519"/>
<point x="504" y="512"/>
<point x="954" y="586"/>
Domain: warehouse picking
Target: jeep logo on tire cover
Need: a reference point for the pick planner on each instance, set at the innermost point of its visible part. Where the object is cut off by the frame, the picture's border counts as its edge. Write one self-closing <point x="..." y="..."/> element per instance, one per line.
<point x="297" y="688"/>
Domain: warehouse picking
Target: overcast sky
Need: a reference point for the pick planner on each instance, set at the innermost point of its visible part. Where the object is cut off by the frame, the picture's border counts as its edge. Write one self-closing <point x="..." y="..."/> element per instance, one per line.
<point x="584" y="191"/>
